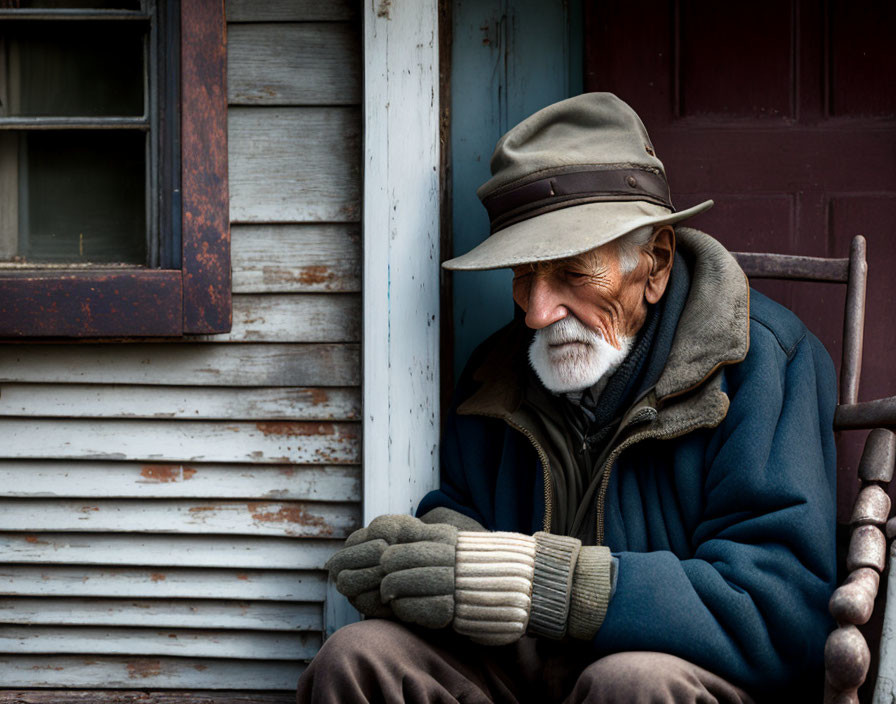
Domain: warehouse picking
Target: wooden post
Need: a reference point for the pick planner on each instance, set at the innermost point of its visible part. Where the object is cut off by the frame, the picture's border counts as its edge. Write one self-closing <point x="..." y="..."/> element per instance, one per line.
<point x="401" y="259"/>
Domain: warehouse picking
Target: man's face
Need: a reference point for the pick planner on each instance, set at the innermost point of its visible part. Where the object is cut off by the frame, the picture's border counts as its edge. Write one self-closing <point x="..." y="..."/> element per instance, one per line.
<point x="585" y="310"/>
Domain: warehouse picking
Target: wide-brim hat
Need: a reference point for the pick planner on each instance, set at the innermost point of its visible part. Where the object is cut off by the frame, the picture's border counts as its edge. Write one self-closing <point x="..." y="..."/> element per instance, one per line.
<point x="574" y="176"/>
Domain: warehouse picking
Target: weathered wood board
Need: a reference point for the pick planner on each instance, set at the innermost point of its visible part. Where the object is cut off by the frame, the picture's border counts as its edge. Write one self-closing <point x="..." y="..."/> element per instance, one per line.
<point x="315" y="63"/>
<point x="165" y="550"/>
<point x="153" y="641"/>
<point x="274" y="442"/>
<point x="183" y="365"/>
<point x="181" y="496"/>
<point x="96" y="480"/>
<point x="296" y="258"/>
<point x="145" y="673"/>
<point x="290" y="10"/>
<point x="178" y="613"/>
<point x="161" y="583"/>
<point x="295" y="164"/>
<point x="296" y="519"/>
<point x="308" y="317"/>
<point x="183" y="402"/>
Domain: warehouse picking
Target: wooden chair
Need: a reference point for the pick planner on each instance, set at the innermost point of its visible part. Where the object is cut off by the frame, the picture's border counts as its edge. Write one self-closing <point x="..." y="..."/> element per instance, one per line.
<point x="847" y="654"/>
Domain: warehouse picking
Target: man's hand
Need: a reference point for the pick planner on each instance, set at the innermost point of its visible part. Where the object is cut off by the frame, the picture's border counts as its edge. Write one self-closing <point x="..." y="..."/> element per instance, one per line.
<point x="417" y="562"/>
<point x="357" y="573"/>
<point x="492" y="587"/>
<point x="419" y="580"/>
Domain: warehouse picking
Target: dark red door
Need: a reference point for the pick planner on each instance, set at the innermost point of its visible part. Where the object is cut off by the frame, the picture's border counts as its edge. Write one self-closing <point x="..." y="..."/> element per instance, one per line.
<point x="783" y="113"/>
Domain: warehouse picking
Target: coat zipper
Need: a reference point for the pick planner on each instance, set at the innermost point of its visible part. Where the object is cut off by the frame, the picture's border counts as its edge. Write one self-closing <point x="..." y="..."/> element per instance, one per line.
<point x="546" y="472"/>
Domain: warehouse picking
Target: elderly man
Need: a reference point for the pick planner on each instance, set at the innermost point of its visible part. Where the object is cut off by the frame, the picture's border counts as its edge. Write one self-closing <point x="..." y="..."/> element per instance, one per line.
<point x="637" y="492"/>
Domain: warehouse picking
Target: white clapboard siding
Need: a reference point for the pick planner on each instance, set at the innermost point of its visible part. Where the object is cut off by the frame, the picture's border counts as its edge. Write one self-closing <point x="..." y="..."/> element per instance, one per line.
<point x="165" y="550"/>
<point x="295" y="519"/>
<point x="17" y="640"/>
<point x="147" y="673"/>
<point x="179" y="613"/>
<point x="296" y="258"/>
<point x="37" y="479"/>
<point x="184" y="402"/>
<point x="294" y="164"/>
<point x="167" y="505"/>
<point x="277" y="442"/>
<point x="290" y="10"/>
<point x="308" y="317"/>
<point x="178" y="583"/>
<point x="183" y="364"/>
<point x="294" y="64"/>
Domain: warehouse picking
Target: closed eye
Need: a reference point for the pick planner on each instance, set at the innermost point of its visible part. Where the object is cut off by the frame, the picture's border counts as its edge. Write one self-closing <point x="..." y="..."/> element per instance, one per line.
<point x="575" y="277"/>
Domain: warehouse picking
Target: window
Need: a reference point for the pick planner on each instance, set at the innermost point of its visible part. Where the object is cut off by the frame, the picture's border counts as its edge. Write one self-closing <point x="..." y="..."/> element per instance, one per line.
<point x="113" y="168"/>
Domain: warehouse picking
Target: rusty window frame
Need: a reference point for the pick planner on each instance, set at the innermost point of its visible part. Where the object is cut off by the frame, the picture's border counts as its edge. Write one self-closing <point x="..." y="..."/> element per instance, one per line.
<point x="190" y="293"/>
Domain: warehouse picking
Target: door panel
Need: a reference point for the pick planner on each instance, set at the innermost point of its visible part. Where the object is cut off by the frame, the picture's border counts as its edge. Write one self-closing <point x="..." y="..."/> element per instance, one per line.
<point x="783" y="113"/>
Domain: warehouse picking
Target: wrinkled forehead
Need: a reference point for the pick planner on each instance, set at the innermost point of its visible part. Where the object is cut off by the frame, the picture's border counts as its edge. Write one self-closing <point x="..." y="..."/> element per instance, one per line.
<point x="603" y="256"/>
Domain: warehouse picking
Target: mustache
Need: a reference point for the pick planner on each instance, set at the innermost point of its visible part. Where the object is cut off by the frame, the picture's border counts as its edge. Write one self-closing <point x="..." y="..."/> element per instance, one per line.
<point x="570" y="329"/>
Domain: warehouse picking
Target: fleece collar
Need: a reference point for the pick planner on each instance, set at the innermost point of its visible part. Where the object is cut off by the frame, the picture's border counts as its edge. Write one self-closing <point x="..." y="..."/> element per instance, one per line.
<point x="713" y="331"/>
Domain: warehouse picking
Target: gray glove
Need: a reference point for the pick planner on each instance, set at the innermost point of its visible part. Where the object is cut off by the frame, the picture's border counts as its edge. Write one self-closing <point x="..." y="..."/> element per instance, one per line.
<point x="419" y="576"/>
<point x="399" y="566"/>
<point x="357" y="573"/>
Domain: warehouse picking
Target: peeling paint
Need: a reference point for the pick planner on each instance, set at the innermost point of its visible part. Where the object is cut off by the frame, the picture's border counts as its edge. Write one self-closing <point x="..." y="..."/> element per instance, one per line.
<point x="291" y="430"/>
<point x="315" y="275"/>
<point x="319" y="396"/>
<point x="291" y="513"/>
<point x="163" y="473"/>
<point x="144" y="668"/>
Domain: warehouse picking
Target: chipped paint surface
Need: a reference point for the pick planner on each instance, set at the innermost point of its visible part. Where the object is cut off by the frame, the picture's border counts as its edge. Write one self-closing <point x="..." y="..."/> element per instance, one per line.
<point x="166" y="473"/>
<point x="291" y="514"/>
<point x="296" y="429"/>
<point x="143" y="668"/>
<point x="89" y="304"/>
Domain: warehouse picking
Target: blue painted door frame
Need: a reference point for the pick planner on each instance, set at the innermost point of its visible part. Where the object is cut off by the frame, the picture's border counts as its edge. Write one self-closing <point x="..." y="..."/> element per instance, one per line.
<point x="509" y="59"/>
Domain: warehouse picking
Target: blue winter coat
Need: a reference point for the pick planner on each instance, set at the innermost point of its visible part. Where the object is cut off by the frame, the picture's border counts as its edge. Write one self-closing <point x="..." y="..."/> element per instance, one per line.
<point x="719" y="499"/>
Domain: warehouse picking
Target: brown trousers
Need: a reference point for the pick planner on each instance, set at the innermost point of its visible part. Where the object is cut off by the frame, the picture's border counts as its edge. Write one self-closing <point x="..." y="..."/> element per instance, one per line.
<point x="386" y="662"/>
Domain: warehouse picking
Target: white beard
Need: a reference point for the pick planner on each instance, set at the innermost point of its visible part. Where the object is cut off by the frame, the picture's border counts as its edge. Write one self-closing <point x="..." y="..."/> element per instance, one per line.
<point x="570" y="357"/>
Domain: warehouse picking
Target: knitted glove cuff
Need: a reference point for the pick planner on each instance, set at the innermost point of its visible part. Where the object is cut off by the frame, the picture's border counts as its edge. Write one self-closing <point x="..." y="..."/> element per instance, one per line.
<point x="555" y="560"/>
<point x="591" y="587"/>
<point x="492" y="585"/>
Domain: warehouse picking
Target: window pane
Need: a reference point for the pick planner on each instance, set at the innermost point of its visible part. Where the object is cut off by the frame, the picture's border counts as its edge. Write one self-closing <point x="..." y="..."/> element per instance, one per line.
<point x="71" y="4"/>
<point x="65" y="69"/>
<point x="81" y="196"/>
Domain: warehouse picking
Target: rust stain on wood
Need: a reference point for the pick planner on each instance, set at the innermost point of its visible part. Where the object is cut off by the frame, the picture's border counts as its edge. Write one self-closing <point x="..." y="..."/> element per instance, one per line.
<point x="296" y="430"/>
<point x="143" y="668"/>
<point x="34" y="540"/>
<point x="206" y="223"/>
<point x="315" y="275"/>
<point x="243" y="576"/>
<point x="157" y="577"/>
<point x="294" y="514"/>
<point x="163" y="473"/>
<point x="319" y="396"/>
<point x="90" y="304"/>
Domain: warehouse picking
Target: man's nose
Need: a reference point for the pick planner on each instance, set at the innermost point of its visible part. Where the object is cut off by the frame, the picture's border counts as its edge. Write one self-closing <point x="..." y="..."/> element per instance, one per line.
<point x="545" y="304"/>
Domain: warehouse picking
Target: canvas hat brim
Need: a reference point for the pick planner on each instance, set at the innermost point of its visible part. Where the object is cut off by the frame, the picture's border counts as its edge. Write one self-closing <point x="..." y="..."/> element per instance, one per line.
<point x="563" y="233"/>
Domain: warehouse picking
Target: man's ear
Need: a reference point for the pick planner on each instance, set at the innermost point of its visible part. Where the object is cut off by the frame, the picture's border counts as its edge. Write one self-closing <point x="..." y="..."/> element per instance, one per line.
<point x="662" y="251"/>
